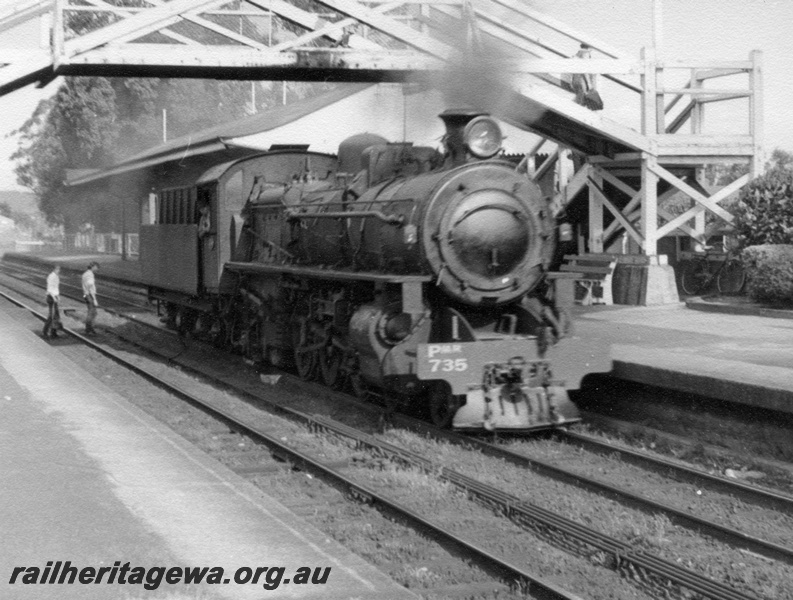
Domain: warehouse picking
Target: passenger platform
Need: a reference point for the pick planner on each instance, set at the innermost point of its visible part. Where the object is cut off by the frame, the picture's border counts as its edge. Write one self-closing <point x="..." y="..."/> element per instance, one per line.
<point x="740" y="358"/>
<point x="88" y="478"/>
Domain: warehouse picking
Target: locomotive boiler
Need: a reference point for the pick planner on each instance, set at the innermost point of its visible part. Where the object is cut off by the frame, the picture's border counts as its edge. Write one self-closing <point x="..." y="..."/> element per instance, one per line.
<point x="409" y="274"/>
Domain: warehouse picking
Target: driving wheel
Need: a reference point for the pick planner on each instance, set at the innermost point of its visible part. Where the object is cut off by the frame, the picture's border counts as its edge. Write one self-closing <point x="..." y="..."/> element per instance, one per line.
<point x="330" y="359"/>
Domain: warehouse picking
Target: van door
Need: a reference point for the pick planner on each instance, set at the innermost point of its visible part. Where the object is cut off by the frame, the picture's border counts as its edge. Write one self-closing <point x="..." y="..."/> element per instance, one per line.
<point x="207" y="217"/>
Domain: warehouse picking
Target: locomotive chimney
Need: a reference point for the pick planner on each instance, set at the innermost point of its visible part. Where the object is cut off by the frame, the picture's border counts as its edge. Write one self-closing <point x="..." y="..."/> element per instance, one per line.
<point x="455" y="120"/>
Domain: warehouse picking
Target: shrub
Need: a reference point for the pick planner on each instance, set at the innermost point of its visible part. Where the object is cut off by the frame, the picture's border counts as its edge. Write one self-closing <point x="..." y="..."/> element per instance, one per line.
<point x="764" y="211"/>
<point x="770" y="271"/>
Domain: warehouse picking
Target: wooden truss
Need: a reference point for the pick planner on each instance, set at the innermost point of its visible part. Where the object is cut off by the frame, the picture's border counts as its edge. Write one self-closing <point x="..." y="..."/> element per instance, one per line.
<point x="632" y="218"/>
<point x="418" y="40"/>
<point x="338" y="40"/>
<point x="367" y="40"/>
<point x="675" y="161"/>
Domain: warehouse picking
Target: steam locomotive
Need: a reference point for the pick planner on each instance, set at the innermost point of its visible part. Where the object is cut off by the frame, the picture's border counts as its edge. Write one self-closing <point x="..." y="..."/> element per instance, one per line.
<point x="400" y="271"/>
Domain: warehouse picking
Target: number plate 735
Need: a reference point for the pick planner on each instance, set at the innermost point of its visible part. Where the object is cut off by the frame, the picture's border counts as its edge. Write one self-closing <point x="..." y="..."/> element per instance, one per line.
<point x="446" y="365"/>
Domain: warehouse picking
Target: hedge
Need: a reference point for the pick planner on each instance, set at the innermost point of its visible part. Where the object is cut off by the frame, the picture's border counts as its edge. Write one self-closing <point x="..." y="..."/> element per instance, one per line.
<point x="770" y="271"/>
<point x="764" y="211"/>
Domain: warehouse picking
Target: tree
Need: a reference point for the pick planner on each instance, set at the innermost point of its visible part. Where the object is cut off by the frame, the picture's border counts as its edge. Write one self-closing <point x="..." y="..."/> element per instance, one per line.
<point x="764" y="211"/>
<point x="721" y="174"/>
<point x="780" y="158"/>
<point x="76" y="129"/>
<point x="92" y="122"/>
<point x="196" y="104"/>
<point x="40" y="159"/>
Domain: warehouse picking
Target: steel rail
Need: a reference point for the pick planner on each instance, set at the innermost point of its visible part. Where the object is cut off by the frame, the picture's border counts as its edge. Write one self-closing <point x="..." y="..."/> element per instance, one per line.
<point x="732" y="486"/>
<point x="18" y="260"/>
<point x="105" y="308"/>
<point x="530" y="583"/>
<point x="515" y="506"/>
<point x="657" y="462"/>
<point x="765" y="547"/>
<point x="692" y="472"/>
<point x="28" y="270"/>
<point x="759" y="545"/>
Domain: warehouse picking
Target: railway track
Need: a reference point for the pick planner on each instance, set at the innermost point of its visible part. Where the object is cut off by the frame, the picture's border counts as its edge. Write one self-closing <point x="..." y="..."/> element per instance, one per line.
<point x="654" y="462"/>
<point x="622" y="555"/>
<point x="527" y="582"/>
<point x="117" y="298"/>
<point x="651" y="570"/>
<point x="681" y="471"/>
<point x="116" y="295"/>
<point x="778" y="501"/>
<point x="710" y="459"/>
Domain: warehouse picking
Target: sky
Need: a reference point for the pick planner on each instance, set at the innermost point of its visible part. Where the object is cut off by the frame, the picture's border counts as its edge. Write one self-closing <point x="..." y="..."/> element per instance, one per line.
<point x="690" y="29"/>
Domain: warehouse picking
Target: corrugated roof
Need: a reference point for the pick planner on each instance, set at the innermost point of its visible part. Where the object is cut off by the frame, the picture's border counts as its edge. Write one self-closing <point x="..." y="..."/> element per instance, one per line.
<point x="145" y="161"/>
<point x="208" y="140"/>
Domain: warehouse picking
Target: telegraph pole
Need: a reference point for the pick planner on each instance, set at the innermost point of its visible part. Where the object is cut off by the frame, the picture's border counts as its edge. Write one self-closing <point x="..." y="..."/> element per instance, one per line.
<point x="658" y="34"/>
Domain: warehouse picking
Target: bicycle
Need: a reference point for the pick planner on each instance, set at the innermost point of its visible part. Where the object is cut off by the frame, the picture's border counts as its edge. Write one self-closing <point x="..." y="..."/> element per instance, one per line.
<point x="698" y="276"/>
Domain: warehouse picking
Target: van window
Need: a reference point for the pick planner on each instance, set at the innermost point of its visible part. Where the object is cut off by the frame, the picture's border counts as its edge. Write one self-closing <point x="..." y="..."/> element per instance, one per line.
<point x="149" y="214"/>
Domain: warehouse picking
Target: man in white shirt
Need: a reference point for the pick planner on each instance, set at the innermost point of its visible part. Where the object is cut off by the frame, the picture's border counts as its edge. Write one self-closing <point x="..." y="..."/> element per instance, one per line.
<point x="89" y="294"/>
<point x="53" y="322"/>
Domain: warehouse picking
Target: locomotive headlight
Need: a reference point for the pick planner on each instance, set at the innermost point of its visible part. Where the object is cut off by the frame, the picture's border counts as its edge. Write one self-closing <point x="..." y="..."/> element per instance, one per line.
<point x="483" y="137"/>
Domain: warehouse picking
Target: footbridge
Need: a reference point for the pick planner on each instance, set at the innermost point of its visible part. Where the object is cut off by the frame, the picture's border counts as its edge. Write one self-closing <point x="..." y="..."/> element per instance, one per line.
<point x="627" y="165"/>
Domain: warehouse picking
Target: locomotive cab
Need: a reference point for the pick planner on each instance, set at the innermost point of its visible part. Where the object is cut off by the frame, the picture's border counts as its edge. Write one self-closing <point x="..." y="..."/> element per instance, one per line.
<point x="197" y="228"/>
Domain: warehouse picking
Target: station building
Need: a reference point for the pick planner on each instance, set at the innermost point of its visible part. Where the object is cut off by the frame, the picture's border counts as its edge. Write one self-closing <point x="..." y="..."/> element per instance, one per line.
<point x="119" y="198"/>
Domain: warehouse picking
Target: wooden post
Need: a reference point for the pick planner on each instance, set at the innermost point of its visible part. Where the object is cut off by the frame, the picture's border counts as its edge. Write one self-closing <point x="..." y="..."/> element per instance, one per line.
<point x="531" y="168"/>
<point x="649" y="87"/>
<point x="57" y="33"/>
<point x="531" y="161"/>
<point x="699" y="220"/>
<point x="45" y="31"/>
<point x="660" y="108"/>
<point x="563" y="169"/>
<point x="595" y="213"/>
<point x="649" y="205"/>
<point x="650" y="125"/>
<point x="697" y="112"/>
<point x="658" y="52"/>
<point x="658" y="24"/>
<point x="756" y="112"/>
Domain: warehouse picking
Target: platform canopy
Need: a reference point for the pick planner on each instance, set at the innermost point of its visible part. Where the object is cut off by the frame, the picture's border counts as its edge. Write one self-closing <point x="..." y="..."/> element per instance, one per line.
<point x="449" y="43"/>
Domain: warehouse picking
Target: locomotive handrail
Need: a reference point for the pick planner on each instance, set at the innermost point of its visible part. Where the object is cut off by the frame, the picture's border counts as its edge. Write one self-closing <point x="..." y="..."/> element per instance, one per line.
<point x="333" y="274"/>
<point x="390" y="219"/>
<point x="369" y="202"/>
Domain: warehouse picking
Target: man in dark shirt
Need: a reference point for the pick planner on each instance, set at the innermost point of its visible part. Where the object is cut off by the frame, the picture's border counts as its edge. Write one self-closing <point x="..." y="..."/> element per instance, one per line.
<point x="585" y="84"/>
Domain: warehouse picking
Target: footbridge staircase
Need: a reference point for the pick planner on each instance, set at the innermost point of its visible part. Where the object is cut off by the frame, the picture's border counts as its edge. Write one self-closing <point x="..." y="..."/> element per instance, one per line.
<point x="651" y="142"/>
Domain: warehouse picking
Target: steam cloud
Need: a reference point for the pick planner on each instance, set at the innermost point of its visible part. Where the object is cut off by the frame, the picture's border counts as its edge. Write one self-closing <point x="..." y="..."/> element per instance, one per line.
<point x="479" y="77"/>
